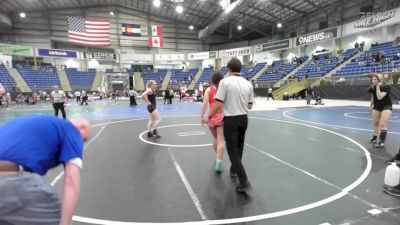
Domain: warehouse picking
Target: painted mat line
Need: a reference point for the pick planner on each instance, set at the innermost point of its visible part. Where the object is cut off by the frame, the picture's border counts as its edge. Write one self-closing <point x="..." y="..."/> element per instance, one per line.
<point x="349" y="114"/>
<point x="188" y="187"/>
<point x="285" y="114"/>
<point x="60" y="175"/>
<point x="322" y="202"/>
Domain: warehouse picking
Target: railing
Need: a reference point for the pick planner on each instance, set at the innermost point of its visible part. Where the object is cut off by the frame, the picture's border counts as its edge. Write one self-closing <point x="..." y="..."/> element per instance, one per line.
<point x="349" y="80"/>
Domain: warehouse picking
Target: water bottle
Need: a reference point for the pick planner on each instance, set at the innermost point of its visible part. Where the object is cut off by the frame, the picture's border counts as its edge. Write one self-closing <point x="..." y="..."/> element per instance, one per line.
<point x="392" y="175"/>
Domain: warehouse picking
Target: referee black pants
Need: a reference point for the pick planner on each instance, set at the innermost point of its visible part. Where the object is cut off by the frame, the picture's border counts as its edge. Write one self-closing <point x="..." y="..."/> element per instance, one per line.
<point x="59" y="106"/>
<point x="132" y="101"/>
<point x="234" y="132"/>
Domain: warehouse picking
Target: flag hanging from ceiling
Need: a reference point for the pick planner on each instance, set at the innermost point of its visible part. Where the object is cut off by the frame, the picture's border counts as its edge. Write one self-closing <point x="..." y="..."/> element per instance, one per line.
<point x="132" y="30"/>
<point x="155" y="31"/>
<point x="156" y="42"/>
<point x="89" y="32"/>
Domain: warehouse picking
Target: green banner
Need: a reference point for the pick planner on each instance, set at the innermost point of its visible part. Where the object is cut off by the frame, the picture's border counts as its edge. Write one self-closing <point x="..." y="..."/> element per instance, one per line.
<point x="212" y="55"/>
<point x="272" y="46"/>
<point x="8" y="49"/>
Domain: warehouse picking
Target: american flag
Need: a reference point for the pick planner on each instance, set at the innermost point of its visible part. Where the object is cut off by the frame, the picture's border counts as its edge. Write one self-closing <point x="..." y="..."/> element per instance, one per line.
<point x="88" y="31"/>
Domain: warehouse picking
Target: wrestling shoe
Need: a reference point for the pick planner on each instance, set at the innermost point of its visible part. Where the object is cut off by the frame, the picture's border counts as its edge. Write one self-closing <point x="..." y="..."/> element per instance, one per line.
<point x="155" y="134"/>
<point x="379" y="145"/>
<point x="218" y="167"/>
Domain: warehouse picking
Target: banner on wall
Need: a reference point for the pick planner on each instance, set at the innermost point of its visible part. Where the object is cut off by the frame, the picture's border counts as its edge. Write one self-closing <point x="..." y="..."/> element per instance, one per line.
<point x="235" y="52"/>
<point x="132" y="57"/>
<point x="170" y="57"/>
<point x="8" y="49"/>
<point x="372" y="22"/>
<point x="276" y="45"/>
<point x="57" y="53"/>
<point x="316" y="37"/>
<point x="202" y="55"/>
<point x="106" y="56"/>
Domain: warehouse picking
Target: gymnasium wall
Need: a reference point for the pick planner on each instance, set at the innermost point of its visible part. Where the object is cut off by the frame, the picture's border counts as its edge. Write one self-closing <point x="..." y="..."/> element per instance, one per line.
<point x="354" y="92"/>
<point x="49" y="30"/>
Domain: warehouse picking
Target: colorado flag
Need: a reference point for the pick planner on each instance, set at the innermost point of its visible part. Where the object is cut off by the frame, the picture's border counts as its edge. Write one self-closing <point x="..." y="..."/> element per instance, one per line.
<point x="132" y="30"/>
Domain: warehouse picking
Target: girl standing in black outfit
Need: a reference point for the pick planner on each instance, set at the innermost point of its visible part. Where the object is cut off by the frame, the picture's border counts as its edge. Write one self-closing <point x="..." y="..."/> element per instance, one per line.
<point x="149" y="96"/>
<point x="381" y="108"/>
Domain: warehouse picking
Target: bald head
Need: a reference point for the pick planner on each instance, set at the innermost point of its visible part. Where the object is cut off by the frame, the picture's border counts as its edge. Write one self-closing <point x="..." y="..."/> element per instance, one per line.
<point x="83" y="127"/>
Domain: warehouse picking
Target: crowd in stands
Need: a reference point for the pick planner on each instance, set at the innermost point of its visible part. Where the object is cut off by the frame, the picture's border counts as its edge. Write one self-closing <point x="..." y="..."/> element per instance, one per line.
<point x="384" y="57"/>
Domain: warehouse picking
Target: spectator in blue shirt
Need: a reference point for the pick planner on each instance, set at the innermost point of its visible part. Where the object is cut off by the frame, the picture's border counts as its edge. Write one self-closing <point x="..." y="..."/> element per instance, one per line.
<point x="29" y="147"/>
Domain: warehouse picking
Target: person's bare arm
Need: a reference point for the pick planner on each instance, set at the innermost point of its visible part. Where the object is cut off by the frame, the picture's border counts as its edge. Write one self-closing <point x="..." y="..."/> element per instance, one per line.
<point x="71" y="192"/>
<point x="251" y="99"/>
<point x="145" y="96"/>
<point x="380" y="95"/>
<point x="371" y="105"/>
<point x="216" y="108"/>
<point x="204" y="105"/>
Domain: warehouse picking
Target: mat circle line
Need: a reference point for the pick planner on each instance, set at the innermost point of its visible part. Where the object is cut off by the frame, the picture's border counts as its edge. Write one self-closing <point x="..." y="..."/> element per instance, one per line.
<point x="298" y="209"/>
<point x="348" y="114"/>
<point x="172" y="145"/>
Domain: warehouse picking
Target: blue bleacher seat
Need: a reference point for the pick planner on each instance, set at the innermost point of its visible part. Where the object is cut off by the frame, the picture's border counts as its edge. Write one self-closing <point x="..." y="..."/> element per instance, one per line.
<point x="278" y="69"/>
<point x="365" y="64"/>
<point x="80" y="80"/>
<point x="39" y="79"/>
<point x="5" y="78"/>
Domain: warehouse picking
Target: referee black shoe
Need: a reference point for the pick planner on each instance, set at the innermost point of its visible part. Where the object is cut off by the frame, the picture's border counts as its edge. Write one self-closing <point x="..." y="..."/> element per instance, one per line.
<point x="149" y="135"/>
<point x="243" y="187"/>
<point x="396" y="159"/>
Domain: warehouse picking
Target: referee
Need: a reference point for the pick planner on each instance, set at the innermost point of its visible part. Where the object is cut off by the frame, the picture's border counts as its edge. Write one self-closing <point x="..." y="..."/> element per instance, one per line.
<point x="26" y="155"/>
<point x="58" y="100"/>
<point x="235" y="96"/>
<point x="132" y="97"/>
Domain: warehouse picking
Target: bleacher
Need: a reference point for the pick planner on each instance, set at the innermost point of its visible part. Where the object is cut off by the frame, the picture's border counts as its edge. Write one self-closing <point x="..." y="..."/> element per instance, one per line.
<point x="318" y="68"/>
<point x="365" y="64"/>
<point x="5" y="78"/>
<point x="179" y="76"/>
<point x="254" y="70"/>
<point x="205" y="76"/>
<point x="245" y="72"/>
<point x="349" y="53"/>
<point x="41" y="79"/>
<point x="277" y="71"/>
<point x="80" y="80"/>
<point x="223" y="71"/>
<point x="157" y="76"/>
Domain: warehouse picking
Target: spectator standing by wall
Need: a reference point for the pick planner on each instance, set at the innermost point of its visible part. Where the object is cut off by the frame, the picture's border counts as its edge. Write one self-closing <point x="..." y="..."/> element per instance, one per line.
<point x="270" y="94"/>
<point x="356" y="46"/>
<point x="362" y="46"/>
<point x="132" y="97"/>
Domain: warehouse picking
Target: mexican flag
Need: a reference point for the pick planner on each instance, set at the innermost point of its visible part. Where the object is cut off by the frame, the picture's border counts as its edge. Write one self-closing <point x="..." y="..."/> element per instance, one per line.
<point x="155" y="31"/>
<point x="156" y="42"/>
